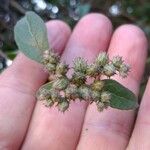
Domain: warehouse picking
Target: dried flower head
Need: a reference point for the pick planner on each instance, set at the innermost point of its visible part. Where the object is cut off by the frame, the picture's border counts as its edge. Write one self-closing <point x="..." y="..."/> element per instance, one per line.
<point x="85" y="92"/>
<point x="98" y="85"/>
<point x="62" y="68"/>
<point x="117" y="61"/>
<point x="102" y="59"/>
<point x="95" y="96"/>
<point x="72" y="92"/>
<point x="63" y="105"/>
<point x="92" y="70"/>
<point x="80" y="65"/>
<point x="48" y="103"/>
<point x="109" y="70"/>
<point x="100" y="106"/>
<point x="124" y="70"/>
<point x="50" y="67"/>
<point x="55" y="95"/>
<point x="105" y="97"/>
<point x="78" y="78"/>
<point x="61" y="83"/>
<point x="44" y="95"/>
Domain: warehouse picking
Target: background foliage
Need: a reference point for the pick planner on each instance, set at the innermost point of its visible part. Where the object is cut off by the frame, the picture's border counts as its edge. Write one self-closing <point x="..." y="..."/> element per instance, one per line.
<point x="119" y="11"/>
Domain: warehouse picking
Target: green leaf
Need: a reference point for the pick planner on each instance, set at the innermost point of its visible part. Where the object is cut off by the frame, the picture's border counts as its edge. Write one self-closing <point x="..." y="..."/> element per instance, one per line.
<point x="31" y="36"/>
<point x="121" y="97"/>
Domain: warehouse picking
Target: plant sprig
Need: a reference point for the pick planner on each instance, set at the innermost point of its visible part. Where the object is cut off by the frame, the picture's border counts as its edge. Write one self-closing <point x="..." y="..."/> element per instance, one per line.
<point x="61" y="89"/>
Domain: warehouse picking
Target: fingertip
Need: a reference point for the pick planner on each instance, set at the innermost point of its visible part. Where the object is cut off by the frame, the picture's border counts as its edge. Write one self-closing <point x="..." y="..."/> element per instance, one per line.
<point x="59" y="36"/>
<point x="133" y="29"/>
<point x="90" y="36"/>
<point x="96" y="18"/>
<point x="130" y="42"/>
<point x="97" y="26"/>
<point x="134" y="33"/>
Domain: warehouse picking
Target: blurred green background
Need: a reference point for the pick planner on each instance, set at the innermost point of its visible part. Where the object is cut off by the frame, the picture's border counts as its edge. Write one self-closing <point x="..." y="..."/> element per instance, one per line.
<point x="120" y="12"/>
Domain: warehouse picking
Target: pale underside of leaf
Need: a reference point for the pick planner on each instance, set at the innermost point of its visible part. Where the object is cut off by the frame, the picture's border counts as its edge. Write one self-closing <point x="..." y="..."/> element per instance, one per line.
<point x="31" y="36"/>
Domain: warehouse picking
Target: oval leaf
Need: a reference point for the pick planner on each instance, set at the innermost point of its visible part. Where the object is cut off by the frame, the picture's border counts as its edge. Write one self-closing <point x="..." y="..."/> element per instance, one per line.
<point x="31" y="36"/>
<point x="121" y="97"/>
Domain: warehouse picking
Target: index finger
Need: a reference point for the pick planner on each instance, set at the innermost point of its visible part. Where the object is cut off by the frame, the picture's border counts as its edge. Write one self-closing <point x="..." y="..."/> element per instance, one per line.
<point x="17" y="89"/>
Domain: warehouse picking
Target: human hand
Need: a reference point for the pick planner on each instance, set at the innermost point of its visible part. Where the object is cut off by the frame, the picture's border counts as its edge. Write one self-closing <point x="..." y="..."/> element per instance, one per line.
<point x="28" y="125"/>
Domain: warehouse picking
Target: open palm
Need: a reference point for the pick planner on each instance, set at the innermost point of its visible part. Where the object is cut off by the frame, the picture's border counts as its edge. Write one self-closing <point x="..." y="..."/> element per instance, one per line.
<point x="28" y="125"/>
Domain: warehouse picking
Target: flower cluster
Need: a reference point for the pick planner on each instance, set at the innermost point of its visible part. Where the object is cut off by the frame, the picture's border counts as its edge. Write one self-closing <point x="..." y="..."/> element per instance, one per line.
<point x="64" y="89"/>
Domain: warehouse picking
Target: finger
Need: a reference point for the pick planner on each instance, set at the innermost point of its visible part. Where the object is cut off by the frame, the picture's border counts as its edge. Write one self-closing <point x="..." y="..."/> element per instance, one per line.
<point x="141" y="133"/>
<point x="17" y="89"/>
<point x="114" y="126"/>
<point x="61" y="131"/>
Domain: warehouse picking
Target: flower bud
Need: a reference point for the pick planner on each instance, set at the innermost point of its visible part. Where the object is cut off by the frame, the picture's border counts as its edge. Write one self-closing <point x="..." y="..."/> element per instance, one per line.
<point x="53" y="58"/>
<point x="100" y="106"/>
<point x="50" y="57"/>
<point x="80" y="65"/>
<point x="78" y="78"/>
<point x="55" y="95"/>
<point x="85" y="92"/>
<point x="96" y="96"/>
<point x="46" y="55"/>
<point x="43" y="95"/>
<point x="117" y="61"/>
<point x="45" y="61"/>
<point x="50" y="67"/>
<point x="98" y="85"/>
<point x="63" y="105"/>
<point x="124" y="69"/>
<point x="102" y="59"/>
<point x="109" y="70"/>
<point x="92" y="70"/>
<point x="61" y="68"/>
<point x="71" y="92"/>
<point x="105" y="97"/>
<point x="61" y="83"/>
<point x="48" y="103"/>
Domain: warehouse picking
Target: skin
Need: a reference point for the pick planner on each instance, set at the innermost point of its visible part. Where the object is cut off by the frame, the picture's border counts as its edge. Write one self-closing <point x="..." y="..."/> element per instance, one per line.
<point x="27" y="124"/>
